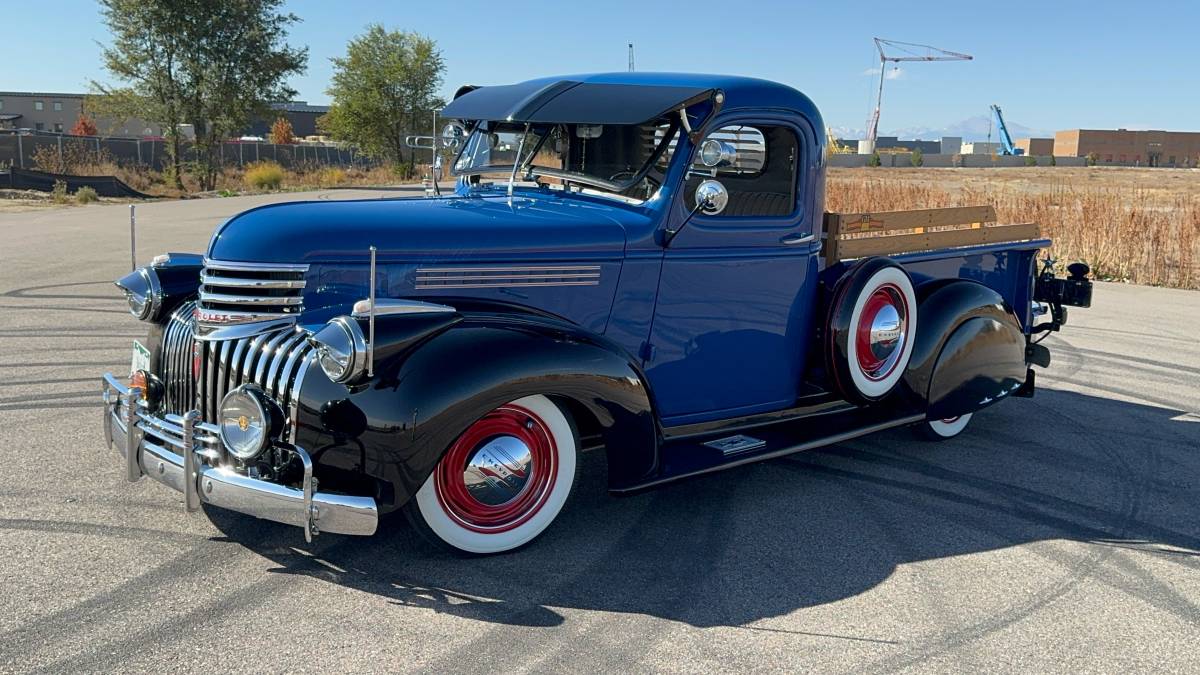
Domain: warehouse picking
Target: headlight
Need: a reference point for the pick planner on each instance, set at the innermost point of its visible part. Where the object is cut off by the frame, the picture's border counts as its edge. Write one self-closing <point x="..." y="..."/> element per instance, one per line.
<point x="249" y="420"/>
<point x="714" y="153"/>
<point x="341" y="349"/>
<point x="143" y="292"/>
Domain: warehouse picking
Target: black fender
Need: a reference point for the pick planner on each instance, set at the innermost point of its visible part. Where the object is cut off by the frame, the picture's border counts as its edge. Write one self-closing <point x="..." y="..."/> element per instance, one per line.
<point x="394" y="429"/>
<point x="969" y="351"/>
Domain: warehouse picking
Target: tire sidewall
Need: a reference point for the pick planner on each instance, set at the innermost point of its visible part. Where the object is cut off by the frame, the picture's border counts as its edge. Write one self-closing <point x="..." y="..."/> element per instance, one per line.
<point x="942" y="430"/>
<point x="862" y="281"/>
<point x="427" y="507"/>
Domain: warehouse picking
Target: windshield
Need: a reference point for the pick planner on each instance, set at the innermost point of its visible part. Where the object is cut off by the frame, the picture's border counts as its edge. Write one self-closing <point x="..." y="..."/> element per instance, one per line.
<point x="624" y="160"/>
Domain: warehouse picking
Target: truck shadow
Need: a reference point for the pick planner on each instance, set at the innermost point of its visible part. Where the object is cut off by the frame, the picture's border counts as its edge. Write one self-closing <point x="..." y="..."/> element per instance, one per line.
<point x="814" y="528"/>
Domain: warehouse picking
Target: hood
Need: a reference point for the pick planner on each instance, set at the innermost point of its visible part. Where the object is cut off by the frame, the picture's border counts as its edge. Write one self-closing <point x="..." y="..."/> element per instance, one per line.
<point x="422" y="229"/>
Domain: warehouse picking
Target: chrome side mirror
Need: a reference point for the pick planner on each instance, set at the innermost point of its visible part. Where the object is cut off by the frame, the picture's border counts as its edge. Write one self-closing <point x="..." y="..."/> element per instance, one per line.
<point x="711" y="197"/>
<point x="715" y="154"/>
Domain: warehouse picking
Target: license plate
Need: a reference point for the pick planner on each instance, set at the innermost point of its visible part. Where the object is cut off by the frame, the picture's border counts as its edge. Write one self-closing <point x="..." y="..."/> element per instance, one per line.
<point x="141" y="358"/>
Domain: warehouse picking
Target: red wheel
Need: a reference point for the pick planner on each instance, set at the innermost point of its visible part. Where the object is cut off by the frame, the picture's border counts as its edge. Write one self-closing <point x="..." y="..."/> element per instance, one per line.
<point x="503" y="481"/>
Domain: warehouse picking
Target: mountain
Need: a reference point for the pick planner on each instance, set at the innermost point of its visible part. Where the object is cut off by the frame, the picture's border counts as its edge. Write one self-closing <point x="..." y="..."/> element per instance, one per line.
<point x="971" y="129"/>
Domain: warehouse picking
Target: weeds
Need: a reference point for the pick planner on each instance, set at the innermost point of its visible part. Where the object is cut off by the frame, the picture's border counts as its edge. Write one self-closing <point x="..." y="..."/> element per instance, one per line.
<point x="1125" y="233"/>
<point x="86" y="195"/>
<point x="264" y="176"/>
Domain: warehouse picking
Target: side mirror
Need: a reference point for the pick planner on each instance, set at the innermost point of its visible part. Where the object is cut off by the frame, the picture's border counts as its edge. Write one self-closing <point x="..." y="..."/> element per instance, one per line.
<point x="711" y="197"/>
<point x="452" y="135"/>
<point x="715" y="154"/>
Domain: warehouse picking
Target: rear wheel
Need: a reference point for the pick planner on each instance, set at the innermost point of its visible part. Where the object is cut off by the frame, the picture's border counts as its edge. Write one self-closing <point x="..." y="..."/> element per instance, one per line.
<point x="941" y="430"/>
<point x="504" y="480"/>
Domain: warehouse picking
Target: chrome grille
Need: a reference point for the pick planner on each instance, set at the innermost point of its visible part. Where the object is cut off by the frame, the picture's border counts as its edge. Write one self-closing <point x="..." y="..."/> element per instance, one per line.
<point x="276" y="360"/>
<point x="237" y="292"/>
<point x="175" y="369"/>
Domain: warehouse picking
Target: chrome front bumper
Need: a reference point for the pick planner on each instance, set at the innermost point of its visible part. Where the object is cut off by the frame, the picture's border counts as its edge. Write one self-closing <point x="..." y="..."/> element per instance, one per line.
<point x="182" y="452"/>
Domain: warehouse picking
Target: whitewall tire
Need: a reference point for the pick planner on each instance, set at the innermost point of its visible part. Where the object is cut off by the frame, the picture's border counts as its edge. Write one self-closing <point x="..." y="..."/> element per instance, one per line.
<point x="940" y="430"/>
<point x="503" y="481"/>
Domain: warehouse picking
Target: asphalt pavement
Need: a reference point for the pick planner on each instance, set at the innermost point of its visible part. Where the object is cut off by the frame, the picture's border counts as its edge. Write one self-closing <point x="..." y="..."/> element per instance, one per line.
<point x="1059" y="534"/>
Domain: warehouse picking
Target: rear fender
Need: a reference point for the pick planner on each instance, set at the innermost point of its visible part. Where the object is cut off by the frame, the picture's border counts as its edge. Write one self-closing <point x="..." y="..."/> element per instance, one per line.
<point x="970" y="350"/>
<point x="396" y="427"/>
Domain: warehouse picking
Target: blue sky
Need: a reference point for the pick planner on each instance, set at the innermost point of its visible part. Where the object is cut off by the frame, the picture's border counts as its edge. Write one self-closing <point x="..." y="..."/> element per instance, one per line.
<point x="1050" y="65"/>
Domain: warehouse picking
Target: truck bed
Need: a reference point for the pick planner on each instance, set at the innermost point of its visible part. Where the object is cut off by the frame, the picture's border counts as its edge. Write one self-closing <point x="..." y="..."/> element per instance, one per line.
<point x="947" y="243"/>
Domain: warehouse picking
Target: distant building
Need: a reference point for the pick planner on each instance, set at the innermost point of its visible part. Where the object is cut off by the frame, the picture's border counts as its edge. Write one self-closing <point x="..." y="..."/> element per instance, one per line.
<point x="951" y="145"/>
<point x="980" y="148"/>
<point x="1131" y="148"/>
<point x="302" y="116"/>
<point x="1036" y="146"/>
<point x="893" y="143"/>
<point x="57" y="113"/>
<point x="53" y="112"/>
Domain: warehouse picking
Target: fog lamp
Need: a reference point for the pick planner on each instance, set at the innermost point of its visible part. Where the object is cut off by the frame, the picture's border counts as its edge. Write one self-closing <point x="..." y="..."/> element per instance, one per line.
<point x="248" y="421"/>
<point x="143" y="292"/>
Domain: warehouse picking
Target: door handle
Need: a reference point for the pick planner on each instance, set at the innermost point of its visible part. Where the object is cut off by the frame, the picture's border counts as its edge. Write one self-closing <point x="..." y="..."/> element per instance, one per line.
<point x="792" y="240"/>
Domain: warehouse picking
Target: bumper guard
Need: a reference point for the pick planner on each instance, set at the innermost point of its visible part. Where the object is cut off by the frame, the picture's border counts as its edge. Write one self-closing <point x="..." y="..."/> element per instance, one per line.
<point x="182" y="452"/>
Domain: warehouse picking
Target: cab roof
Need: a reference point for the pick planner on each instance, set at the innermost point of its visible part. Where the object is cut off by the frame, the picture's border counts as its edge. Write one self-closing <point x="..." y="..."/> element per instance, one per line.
<point x="620" y="98"/>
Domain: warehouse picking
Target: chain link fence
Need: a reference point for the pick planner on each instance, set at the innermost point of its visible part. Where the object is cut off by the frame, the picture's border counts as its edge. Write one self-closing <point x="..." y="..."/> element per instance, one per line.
<point x="18" y="149"/>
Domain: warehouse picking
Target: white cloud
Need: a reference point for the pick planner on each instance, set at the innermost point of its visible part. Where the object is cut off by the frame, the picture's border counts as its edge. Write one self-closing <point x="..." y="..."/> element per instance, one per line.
<point x="892" y="73"/>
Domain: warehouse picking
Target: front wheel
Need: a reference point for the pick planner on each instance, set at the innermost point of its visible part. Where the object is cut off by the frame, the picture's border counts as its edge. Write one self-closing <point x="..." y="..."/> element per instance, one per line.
<point x="504" y="480"/>
<point x="941" y="430"/>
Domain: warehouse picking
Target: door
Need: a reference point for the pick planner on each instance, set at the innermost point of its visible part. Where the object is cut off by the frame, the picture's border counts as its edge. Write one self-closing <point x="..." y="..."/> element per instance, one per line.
<point x="731" y="324"/>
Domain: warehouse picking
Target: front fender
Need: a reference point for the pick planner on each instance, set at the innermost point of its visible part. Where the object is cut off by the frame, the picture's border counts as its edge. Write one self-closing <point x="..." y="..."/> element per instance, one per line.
<point x="395" y="428"/>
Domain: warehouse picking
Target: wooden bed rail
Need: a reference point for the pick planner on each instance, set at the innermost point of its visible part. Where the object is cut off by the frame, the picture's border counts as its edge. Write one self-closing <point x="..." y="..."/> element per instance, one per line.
<point x="859" y="235"/>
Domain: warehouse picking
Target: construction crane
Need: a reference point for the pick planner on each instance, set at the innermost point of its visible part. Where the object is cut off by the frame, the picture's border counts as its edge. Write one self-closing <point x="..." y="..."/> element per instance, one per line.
<point x="908" y="51"/>
<point x="1006" y="141"/>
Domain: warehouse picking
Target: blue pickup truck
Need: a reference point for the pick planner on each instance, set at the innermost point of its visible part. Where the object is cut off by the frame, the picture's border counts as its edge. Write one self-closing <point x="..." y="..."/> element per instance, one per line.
<point x="637" y="264"/>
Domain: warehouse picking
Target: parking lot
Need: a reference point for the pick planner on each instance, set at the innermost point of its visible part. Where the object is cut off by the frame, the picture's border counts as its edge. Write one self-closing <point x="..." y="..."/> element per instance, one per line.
<point x="1060" y="533"/>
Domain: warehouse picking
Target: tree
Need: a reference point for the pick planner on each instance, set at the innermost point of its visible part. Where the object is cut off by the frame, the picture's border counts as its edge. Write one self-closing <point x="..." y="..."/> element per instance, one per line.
<point x="84" y="126"/>
<point x="384" y="88"/>
<point x="212" y="64"/>
<point x="282" y="133"/>
<point x="917" y="158"/>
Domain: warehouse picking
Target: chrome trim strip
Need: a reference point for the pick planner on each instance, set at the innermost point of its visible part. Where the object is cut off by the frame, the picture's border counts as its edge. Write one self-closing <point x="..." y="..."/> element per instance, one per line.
<point x="279" y="359"/>
<point x="294" y="397"/>
<point x="566" y="268"/>
<point x="389" y="306"/>
<point x="421" y="286"/>
<point x="542" y="277"/>
<point x="269" y="351"/>
<point x="191" y="490"/>
<point x="235" y="282"/>
<point x="232" y="266"/>
<point x="251" y="300"/>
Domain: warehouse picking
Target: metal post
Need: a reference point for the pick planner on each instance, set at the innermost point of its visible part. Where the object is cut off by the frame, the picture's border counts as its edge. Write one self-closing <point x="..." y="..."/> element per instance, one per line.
<point x="60" y="161"/>
<point x="240" y="145"/>
<point x="20" y="151"/>
<point x="132" y="237"/>
<point x="139" y="149"/>
<point x="256" y="145"/>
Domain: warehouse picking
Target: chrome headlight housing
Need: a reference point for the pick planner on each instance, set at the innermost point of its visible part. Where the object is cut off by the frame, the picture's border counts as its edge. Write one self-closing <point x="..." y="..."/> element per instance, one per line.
<point x="249" y="419"/>
<point x="341" y="349"/>
<point x="143" y="292"/>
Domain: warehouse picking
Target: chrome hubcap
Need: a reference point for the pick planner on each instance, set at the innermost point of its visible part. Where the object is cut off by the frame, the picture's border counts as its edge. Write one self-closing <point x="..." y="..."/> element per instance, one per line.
<point x="882" y="331"/>
<point x="885" y="332"/>
<point x="498" y="471"/>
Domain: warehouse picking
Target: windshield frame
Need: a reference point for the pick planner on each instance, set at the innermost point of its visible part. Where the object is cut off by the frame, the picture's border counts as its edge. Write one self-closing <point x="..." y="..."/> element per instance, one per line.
<point x="525" y="169"/>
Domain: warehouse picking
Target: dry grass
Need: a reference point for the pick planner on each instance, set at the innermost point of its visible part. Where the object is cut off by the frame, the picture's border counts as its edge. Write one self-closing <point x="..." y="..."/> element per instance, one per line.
<point x="1137" y="226"/>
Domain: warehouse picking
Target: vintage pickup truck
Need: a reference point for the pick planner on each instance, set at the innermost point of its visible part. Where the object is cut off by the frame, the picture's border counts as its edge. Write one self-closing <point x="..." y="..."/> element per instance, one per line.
<point x="634" y="263"/>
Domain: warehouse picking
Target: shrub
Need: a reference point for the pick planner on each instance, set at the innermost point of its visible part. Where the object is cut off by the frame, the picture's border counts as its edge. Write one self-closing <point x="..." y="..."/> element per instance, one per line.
<point x="264" y="176"/>
<point x="874" y="159"/>
<point x="86" y="195"/>
<point x="1053" y="162"/>
<point x="1030" y="160"/>
<point x="84" y="126"/>
<point x="59" y="192"/>
<point x="1092" y="158"/>
<point x="918" y="158"/>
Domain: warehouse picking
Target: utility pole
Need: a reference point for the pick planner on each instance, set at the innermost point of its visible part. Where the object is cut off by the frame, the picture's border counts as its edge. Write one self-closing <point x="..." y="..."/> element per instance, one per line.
<point x="631" y="57"/>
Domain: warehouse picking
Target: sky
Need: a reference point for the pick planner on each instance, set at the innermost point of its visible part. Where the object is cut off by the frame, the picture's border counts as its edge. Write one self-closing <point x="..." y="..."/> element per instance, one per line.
<point x="1053" y="64"/>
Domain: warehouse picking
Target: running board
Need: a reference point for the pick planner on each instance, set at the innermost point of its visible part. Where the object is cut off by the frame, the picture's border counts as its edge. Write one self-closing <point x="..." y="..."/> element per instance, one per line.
<point x="695" y="456"/>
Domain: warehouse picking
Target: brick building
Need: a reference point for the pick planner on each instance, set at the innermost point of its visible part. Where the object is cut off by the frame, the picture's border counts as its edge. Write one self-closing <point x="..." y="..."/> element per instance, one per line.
<point x="1038" y="147"/>
<point x="1131" y="148"/>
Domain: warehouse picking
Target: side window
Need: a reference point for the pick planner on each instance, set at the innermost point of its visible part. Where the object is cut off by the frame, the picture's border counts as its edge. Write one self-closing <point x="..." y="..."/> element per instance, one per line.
<point x="760" y="175"/>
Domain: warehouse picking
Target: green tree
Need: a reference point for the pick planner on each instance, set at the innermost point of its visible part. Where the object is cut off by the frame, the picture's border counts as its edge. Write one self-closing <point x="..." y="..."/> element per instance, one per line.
<point x="918" y="157"/>
<point x="212" y="64"/>
<point x="874" y="159"/>
<point x="384" y="88"/>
